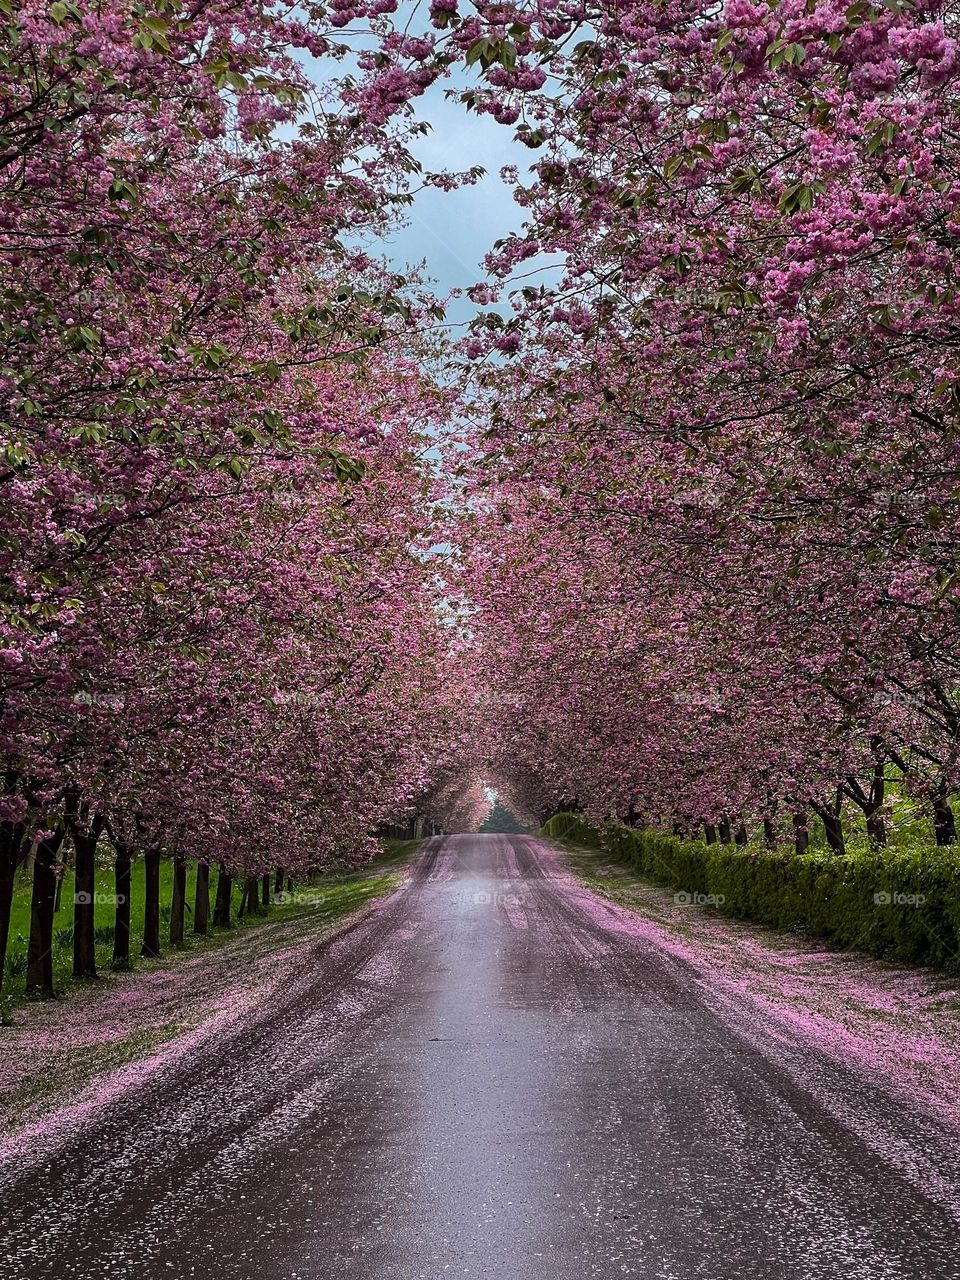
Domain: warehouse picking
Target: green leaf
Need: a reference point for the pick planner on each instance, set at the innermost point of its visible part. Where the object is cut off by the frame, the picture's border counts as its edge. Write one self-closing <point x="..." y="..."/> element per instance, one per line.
<point x="477" y="50"/>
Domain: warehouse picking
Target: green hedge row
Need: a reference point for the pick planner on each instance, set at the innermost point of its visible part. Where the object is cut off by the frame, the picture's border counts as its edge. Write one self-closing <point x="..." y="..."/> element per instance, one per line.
<point x="902" y="905"/>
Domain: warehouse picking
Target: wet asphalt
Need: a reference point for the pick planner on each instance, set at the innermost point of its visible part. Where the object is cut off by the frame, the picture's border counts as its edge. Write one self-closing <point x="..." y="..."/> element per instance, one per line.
<point x="478" y="1080"/>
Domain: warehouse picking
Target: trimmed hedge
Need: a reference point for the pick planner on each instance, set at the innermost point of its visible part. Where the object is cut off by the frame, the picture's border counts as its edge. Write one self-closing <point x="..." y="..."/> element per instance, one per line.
<point x="902" y="905"/>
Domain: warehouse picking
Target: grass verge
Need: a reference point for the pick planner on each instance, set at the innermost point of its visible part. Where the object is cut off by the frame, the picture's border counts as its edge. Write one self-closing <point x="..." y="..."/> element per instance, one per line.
<point x="324" y="897"/>
<point x="51" y="1050"/>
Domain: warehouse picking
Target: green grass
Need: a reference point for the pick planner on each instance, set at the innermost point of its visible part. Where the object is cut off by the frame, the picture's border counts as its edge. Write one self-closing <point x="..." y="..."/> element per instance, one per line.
<point x="315" y="904"/>
<point x="326" y="897"/>
<point x="396" y="852"/>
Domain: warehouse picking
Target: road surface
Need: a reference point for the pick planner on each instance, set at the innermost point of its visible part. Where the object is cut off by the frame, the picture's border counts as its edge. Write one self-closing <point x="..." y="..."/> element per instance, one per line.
<point x="478" y="1080"/>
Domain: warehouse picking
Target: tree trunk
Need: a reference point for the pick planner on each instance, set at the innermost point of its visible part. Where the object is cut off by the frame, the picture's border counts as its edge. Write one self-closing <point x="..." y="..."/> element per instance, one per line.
<point x="253" y="895"/>
<point x="178" y="900"/>
<point x="871" y="802"/>
<point x="6" y="906"/>
<point x="831" y="815"/>
<point x="151" y="904"/>
<point x="40" y="947"/>
<point x="769" y="833"/>
<point x="221" y="910"/>
<point x="944" y="823"/>
<point x="84" y="894"/>
<point x="833" y="827"/>
<point x="121" y="919"/>
<point x="876" y="829"/>
<point x="11" y="840"/>
<point x="265" y="898"/>
<point x="801" y="833"/>
<point x="710" y="833"/>
<point x="278" y="884"/>
<point x="201" y="901"/>
<point x="723" y="830"/>
<point x="740" y="835"/>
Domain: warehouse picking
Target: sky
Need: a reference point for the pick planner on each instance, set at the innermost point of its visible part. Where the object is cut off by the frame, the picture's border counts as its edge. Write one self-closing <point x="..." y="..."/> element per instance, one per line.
<point x="453" y="230"/>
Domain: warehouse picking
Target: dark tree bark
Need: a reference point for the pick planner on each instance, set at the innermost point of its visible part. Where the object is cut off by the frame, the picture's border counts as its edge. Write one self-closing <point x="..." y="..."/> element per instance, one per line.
<point x="221" y="910"/>
<point x="944" y="823"/>
<point x="710" y="833"/>
<point x="740" y="835"/>
<point x="831" y="815"/>
<point x="265" y="897"/>
<point x="84" y="890"/>
<point x="86" y="835"/>
<point x="278" y="884"/>
<point x="769" y="833"/>
<point x="833" y="828"/>
<point x="151" y="904"/>
<point x="178" y="900"/>
<point x="6" y="907"/>
<point x="801" y="832"/>
<point x="723" y="830"/>
<point x="40" y="946"/>
<point x="876" y="829"/>
<point x="201" y="900"/>
<point x="11" y="843"/>
<point x="121" y="919"/>
<point x="250" y="903"/>
<point x="870" y="800"/>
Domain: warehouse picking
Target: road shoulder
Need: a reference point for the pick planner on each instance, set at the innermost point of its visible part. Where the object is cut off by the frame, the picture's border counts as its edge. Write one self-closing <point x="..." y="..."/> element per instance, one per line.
<point x="894" y="1025"/>
<point x="63" y="1056"/>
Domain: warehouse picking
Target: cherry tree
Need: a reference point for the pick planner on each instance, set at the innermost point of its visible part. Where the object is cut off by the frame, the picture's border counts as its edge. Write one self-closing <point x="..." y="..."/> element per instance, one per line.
<point x="724" y="439"/>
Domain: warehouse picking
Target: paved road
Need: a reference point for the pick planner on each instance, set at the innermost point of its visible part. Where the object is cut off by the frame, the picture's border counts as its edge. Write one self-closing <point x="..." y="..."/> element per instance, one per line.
<point x="477" y="1080"/>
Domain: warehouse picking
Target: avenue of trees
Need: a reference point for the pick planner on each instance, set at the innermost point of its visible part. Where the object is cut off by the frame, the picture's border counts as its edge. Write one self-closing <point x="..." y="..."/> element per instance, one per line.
<point x="220" y="632"/>
<point x="691" y="558"/>
<point x="714" y="556"/>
